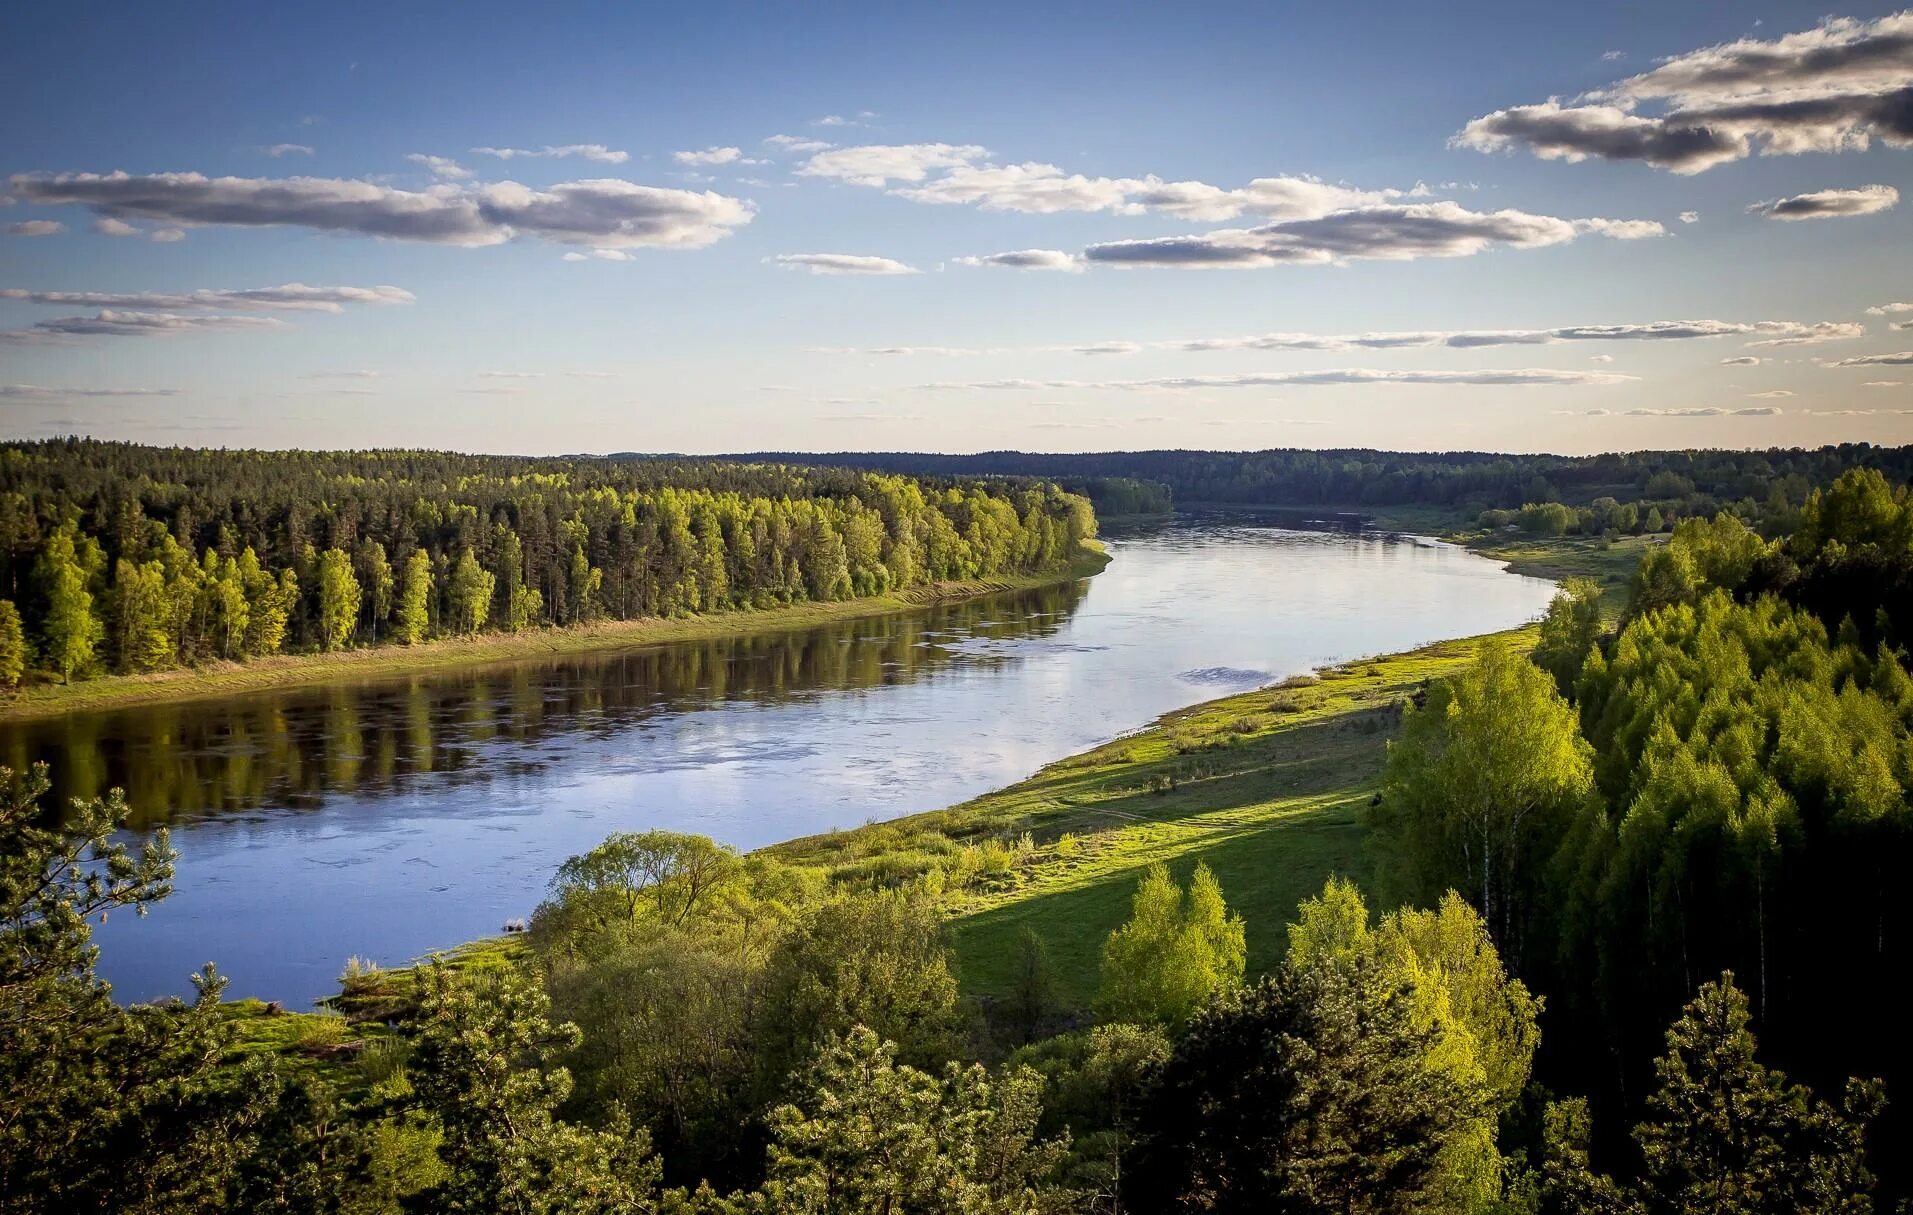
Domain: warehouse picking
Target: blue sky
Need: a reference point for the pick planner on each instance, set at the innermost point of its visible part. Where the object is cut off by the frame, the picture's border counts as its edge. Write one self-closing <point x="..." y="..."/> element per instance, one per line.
<point x="1231" y="203"/>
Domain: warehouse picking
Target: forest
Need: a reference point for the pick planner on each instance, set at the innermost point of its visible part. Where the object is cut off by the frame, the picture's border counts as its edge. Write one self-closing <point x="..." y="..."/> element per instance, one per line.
<point x="1656" y="488"/>
<point x="122" y="559"/>
<point x="1628" y="947"/>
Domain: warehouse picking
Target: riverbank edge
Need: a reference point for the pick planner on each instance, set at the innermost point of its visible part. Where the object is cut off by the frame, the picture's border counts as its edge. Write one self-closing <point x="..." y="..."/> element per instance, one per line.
<point x="380" y="662"/>
<point x="1088" y="792"/>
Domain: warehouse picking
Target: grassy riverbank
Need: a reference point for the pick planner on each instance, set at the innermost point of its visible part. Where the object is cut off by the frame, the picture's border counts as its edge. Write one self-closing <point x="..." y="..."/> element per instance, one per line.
<point x="293" y="670"/>
<point x="1266" y="787"/>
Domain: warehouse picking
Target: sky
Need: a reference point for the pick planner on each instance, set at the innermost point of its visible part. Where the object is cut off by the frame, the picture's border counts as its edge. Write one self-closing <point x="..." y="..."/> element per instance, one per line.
<point x="719" y="227"/>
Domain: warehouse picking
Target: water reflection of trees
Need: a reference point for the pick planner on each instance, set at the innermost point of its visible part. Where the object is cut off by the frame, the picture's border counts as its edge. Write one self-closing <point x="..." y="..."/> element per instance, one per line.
<point x="294" y="747"/>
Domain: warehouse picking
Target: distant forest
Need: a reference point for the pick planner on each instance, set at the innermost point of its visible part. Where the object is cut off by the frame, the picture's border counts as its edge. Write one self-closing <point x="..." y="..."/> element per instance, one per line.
<point x="1765" y="486"/>
<point x="116" y="557"/>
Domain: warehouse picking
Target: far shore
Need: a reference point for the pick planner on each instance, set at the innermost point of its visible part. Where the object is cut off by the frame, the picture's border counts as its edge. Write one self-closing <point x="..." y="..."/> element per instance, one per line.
<point x="377" y="662"/>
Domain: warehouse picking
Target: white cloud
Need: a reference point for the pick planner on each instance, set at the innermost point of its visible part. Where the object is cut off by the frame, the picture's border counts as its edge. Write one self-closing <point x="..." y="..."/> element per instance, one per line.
<point x="1028" y="259"/>
<point x="1889" y="309"/>
<point x="1705" y="411"/>
<point x="111" y="322"/>
<point x="1903" y="358"/>
<point x="840" y="263"/>
<point x="1772" y="394"/>
<point x="292" y="296"/>
<point x="511" y="375"/>
<point x="1883" y="384"/>
<point x="796" y="143"/>
<point x="960" y="174"/>
<point x="287" y="149"/>
<point x="709" y="156"/>
<point x="36" y="227"/>
<point x="589" y="151"/>
<point x="1269" y="379"/>
<point x="1600" y="358"/>
<point x="41" y="392"/>
<point x="1829" y="204"/>
<point x="880" y="164"/>
<point x="605" y="212"/>
<point x="1395" y="233"/>
<point x="442" y="167"/>
<point x="1741" y="360"/>
<point x="1833" y="88"/>
<point x="345" y="374"/>
<point x="1690" y="217"/>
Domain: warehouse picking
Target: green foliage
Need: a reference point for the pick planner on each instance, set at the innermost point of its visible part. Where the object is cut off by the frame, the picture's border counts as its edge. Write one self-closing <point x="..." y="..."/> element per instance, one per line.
<point x="1175" y="952"/>
<point x="508" y="542"/>
<point x="1483" y="1023"/>
<point x="13" y="645"/>
<point x="1569" y="632"/>
<point x="470" y="591"/>
<point x="414" y="621"/>
<point x="1483" y="781"/>
<point x="1310" y="1091"/>
<point x="338" y="599"/>
<point x="875" y="960"/>
<point x="124" y="1110"/>
<point x="1723" y="1133"/>
<point x="70" y="628"/>
<point x="1033" y="1000"/>
<point x="872" y="1135"/>
<point x="483" y="1067"/>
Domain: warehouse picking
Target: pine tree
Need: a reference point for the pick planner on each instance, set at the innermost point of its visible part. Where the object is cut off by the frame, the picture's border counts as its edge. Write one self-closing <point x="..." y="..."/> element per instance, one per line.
<point x="485" y="1068"/>
<point x="1726" y="1134"/>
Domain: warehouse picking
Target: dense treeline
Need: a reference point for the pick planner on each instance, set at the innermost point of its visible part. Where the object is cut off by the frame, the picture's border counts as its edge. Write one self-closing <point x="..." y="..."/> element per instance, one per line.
<point x="121" y="558"/>
<point x="1720" y="782"/>
<point x="701" y="1033"/>
<point x="1766" y="485"/>
<point x="1651" y="838"/>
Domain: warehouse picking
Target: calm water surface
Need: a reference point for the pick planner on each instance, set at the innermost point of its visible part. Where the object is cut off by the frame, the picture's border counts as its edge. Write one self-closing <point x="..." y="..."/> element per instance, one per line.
<point x="389" y="818"/>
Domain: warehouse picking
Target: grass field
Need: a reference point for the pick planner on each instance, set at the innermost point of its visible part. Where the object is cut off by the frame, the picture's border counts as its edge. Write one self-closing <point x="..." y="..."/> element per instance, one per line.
<point x="1267" y="787"/>
<point x="293" y="670"/>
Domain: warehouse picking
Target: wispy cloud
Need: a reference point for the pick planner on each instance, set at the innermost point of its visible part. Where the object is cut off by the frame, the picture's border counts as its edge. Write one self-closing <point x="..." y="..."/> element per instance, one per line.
<point x="840" y="263"/>
<point x="35" y="227"/>
<point x="276" y="150"/>
<point x="709" y="156"/>
<point x="1829" y="204"/>
<point x="42" y="392"/>
<point x="606" y="212"/>
<point x="442" y="167"/>
<point x="588" y="151"/>
<point x="1496" y="377"/>
<point x="287" y="296"/>
<point x="1902" y="359"/>
<point x="1028" y="259"/>
<point x="1391" y="233"/>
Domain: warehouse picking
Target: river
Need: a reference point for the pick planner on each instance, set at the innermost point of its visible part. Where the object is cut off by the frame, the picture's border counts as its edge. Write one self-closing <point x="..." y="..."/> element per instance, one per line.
<point x="385" y="818"/>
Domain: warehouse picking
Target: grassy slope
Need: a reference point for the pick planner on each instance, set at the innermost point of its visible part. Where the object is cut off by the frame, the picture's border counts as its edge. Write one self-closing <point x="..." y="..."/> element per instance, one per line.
<point x="289" y="670"/>
<point x="1268" y="789"/>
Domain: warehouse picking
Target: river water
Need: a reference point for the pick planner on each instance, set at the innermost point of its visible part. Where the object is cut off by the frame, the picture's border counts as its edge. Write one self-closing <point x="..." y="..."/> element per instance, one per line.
<point x="386" y="818"/>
